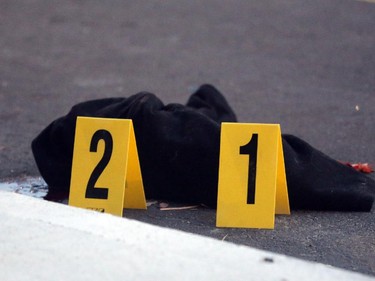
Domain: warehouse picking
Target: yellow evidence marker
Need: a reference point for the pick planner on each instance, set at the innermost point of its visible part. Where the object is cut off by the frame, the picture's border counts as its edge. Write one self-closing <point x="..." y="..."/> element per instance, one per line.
<point x="252" y="184"/>
<point x="106" y="174"/>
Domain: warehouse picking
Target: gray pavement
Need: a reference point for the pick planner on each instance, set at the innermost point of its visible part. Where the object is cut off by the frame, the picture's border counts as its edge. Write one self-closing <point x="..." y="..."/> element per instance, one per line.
<point x="308" y="65"/>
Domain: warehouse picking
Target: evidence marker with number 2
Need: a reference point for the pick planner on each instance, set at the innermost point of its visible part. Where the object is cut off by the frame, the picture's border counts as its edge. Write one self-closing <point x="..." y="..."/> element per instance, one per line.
<point x="105" y="159"/>
<point x="252" y="183"/>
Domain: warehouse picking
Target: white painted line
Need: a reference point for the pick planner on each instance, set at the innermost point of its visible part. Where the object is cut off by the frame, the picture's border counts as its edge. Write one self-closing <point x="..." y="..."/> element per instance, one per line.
<point x="40" y="240"/>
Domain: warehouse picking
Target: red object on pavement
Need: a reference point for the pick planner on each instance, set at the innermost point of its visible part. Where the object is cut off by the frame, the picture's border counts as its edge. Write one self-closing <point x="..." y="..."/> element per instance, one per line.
<point x="361" y="167"/>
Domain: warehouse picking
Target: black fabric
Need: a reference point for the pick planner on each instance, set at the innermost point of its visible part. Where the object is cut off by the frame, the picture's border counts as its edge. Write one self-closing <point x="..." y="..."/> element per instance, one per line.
<point x="178" y="148"/>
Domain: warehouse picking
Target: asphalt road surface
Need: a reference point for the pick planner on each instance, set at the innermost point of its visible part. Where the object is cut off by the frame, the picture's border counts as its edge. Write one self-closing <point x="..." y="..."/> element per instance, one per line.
<point x="308" y="65"/>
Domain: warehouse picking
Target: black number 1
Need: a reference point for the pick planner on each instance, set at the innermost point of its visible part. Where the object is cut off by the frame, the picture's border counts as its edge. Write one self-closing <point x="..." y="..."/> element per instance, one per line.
<point x="91" y="190"/>
<point x="251" y="149"/>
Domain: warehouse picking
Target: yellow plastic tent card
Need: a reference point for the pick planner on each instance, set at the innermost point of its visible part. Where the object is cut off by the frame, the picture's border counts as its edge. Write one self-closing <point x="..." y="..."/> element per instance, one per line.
<point x="106" y="174"/>
<point x="252" y="183"/>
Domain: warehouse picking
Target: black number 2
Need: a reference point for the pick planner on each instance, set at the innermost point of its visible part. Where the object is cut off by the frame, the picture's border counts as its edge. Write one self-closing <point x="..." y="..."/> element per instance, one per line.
<point x="91" y="190"/>
<point x="251" y="149"/>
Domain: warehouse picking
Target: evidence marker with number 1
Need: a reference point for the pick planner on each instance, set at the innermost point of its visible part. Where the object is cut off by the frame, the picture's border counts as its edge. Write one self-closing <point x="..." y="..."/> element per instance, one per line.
<point x="250" y="156"/>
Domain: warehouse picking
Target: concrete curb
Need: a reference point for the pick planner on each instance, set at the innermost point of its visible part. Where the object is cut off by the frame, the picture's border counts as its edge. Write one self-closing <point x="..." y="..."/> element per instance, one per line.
<point x="40" y="240"/>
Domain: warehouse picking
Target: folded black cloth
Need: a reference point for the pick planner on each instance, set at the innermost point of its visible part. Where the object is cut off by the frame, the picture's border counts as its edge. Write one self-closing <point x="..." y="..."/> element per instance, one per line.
<point x="179" y="146"/>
